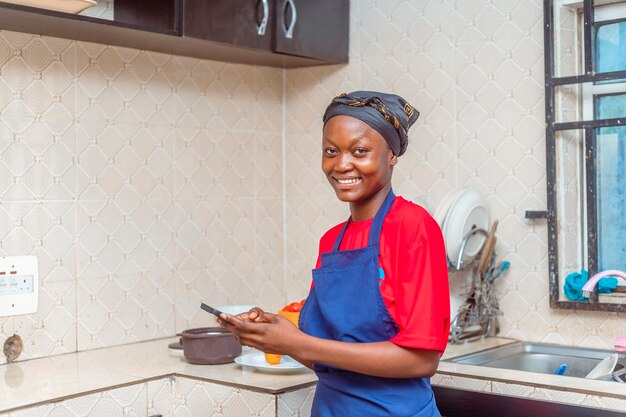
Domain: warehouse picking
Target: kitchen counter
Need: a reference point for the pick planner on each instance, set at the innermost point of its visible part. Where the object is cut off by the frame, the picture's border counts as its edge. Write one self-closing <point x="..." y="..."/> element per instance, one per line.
<point x="55" y="378"/>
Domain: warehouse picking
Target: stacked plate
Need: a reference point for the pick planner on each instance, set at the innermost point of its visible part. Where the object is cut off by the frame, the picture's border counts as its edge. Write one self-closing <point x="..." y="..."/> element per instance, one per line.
<point x="458" y="215"/>
<point x="459" y="212"/>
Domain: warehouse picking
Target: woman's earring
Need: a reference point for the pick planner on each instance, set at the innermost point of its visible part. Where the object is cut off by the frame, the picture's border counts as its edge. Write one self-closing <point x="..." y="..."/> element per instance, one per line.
<point x="394" y="160"/>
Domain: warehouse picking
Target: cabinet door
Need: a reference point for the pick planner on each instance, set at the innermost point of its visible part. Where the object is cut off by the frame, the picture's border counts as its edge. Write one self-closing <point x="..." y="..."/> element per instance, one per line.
<point x="156" y="15"/>
<point x="236" y="22"/>
<point x="313" y="28"/>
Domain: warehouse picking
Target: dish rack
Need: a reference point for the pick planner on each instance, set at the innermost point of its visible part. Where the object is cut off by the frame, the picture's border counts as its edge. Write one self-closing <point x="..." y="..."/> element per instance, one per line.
<point x="478" y="315"/>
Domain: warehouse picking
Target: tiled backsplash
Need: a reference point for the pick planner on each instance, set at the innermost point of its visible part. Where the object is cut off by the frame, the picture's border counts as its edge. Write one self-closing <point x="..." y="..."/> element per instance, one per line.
<point x="143" y="182"/>
<point x="147" y="182"/>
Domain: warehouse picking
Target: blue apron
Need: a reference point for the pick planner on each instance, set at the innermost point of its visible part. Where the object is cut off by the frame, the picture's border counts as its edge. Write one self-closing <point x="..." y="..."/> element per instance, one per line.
<point x="345" y="304"/>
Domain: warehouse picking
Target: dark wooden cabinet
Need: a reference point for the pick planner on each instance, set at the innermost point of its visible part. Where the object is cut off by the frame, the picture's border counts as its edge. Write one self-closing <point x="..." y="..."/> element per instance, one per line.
<point x="246" y="23"/>
<point x="149" y="14"/>
<point x="460" y="403"/>
<point x="317" y="29"/>
<point x="280" y="33"/>
<point x="313" y="28"/>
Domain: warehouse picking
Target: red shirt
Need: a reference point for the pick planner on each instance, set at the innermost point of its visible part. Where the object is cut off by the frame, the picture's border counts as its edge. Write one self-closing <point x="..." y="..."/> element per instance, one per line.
<point x="415" y="284"/>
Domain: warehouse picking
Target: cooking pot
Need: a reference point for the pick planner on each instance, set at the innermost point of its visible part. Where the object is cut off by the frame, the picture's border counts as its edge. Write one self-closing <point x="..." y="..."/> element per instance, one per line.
<point x="209" y="346"/>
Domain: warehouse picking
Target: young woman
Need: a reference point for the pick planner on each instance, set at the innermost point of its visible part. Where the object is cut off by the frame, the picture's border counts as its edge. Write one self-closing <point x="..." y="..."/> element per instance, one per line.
<point x="376" y="319"/>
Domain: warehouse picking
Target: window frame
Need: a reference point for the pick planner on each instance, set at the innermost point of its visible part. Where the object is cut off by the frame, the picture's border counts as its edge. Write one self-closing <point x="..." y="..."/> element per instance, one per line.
<point x="588" y="126"/>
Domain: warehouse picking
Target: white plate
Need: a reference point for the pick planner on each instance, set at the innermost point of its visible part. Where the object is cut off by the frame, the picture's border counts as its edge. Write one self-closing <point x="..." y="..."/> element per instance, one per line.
<point x="257" y="362"/>
<point x="469" y="209"/>
<point x="604" y="367"/>
<point x="66" y="6"/>
<point x="444" y="207"/>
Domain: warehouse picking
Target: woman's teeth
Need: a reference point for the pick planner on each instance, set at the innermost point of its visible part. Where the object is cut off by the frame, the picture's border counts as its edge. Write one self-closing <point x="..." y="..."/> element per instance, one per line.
<point x="350" y="181"/>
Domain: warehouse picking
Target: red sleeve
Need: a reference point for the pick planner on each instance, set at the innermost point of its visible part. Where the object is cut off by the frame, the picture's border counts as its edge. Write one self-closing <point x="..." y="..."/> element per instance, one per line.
<point x="422" y="295"/>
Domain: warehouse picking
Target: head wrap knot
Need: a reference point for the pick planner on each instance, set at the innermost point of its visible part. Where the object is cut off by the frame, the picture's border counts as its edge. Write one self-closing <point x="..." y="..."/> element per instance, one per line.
<point x="388" y="114"/>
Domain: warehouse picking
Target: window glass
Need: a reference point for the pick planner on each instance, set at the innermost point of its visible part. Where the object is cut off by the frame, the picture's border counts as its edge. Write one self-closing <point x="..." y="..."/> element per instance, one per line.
<point x="611" y="196"/>
<point x="611" y="153"/>
<point x="610" y="46"/>
<point x="610" y="106"/>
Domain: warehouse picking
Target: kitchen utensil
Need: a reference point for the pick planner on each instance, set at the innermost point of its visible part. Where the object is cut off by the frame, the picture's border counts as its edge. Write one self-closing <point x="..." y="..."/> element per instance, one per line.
<point x="486" y="256"/>
<point x="256" y="361"/>
<point x="561" y="369"/>
<point x="605" y="367"/>
<point x="617" y="375"/>
<point x="498" y="270"/>
<point x="209" y="346"/>
<point x="66" y="6"/>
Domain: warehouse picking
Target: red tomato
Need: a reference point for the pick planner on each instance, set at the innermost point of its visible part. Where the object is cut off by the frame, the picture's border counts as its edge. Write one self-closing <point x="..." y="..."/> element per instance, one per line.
<point x="293" y="307"/>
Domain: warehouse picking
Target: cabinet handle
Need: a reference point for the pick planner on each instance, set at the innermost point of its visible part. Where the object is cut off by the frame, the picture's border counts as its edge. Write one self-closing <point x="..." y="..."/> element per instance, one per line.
<point x="266" y="14"/>
<point x="294" y="16"/>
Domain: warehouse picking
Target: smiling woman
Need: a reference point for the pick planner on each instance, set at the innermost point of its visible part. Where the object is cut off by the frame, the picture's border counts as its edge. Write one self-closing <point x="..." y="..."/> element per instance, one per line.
<point x="358" y="164"/>
<point x="377" y="317"/>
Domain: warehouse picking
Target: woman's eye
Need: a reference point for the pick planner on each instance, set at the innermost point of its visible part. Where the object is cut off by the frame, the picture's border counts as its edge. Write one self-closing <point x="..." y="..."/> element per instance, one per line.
<point x="330" y="152"/>
<point x="360" y="151"/>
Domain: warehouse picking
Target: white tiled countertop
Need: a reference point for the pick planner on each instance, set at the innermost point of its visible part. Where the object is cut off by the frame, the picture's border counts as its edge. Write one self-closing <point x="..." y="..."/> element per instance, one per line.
<point x="58" y="377"/>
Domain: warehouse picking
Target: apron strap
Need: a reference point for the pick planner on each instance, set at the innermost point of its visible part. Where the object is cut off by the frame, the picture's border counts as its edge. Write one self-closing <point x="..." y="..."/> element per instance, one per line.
<point x="377" y="224"/>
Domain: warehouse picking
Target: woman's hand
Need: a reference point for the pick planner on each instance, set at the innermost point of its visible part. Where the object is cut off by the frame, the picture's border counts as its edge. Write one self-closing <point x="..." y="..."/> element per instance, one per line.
<point x="264" y="331"/>
<point x="256" y="314"/>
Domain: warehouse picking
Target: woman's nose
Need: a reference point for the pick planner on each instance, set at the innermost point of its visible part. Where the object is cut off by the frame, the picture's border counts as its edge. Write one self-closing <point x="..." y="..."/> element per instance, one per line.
<point x="345" y="162"/>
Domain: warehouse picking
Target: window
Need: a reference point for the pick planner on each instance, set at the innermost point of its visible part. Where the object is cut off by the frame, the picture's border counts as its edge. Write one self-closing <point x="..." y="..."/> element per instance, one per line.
<point x="585" y="56"/>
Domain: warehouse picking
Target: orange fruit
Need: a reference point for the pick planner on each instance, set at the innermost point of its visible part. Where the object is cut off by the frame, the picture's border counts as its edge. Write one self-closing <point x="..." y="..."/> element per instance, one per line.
<point x="272" y="358"/>
<point x="292" y="316"/>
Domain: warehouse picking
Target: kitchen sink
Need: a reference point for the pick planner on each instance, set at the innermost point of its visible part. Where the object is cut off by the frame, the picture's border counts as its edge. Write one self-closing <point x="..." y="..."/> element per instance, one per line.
<point x="541" y="357"/>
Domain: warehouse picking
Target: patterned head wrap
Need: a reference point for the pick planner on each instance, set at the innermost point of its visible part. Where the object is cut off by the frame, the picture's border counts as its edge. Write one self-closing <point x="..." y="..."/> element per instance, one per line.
<point x="388" y="114"/>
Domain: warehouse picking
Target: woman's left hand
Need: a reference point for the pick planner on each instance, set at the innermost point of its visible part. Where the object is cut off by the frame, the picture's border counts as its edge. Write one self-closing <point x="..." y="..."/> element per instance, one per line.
<point x="274" y="334"/>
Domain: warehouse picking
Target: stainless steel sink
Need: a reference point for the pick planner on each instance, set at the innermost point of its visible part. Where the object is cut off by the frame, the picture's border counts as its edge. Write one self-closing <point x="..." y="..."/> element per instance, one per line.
<point x="542" y="358"/>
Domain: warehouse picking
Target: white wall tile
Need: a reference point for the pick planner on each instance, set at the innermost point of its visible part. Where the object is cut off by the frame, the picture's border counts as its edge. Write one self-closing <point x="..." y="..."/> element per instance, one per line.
<point x="470" y="384"/>
<point x="196" y="398"/>
<point x="296" y="403"/>
<point x="161" y="397"/>
<point x="126" y="401"/>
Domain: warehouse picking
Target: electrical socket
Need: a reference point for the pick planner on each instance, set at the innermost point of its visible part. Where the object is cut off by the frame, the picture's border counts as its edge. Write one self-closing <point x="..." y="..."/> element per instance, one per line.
<point x="19" y="289"/>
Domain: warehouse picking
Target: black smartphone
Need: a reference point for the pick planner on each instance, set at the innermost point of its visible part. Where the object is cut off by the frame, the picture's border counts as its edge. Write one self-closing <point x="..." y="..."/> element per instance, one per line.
<point x="210" y="309"/>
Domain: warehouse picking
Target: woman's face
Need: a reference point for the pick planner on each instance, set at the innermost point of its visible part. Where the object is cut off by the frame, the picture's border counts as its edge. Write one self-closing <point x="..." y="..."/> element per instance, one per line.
<point x="356" y="159"/>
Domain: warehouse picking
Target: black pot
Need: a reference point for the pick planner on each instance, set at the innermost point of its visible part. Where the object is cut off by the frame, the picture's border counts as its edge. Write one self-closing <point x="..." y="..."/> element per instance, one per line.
<point x="209" y="346"/>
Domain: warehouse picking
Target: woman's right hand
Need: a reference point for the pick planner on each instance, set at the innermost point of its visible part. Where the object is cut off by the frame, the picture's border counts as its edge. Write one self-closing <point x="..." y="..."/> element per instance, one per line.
<point x="264" y="331"/>
<point x="256" y="315"/>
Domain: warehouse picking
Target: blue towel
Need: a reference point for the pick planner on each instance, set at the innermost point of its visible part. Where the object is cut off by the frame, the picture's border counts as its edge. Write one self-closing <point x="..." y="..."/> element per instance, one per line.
<point x="574" y="282"/>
